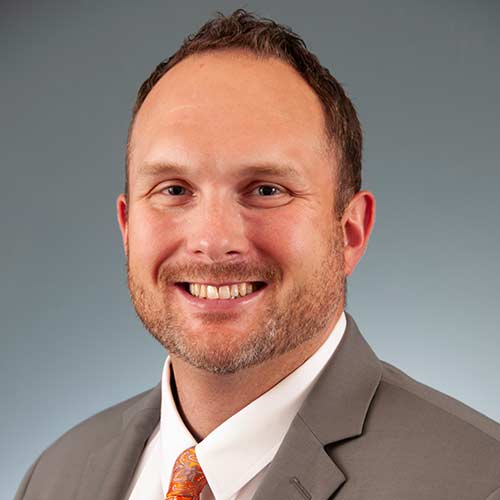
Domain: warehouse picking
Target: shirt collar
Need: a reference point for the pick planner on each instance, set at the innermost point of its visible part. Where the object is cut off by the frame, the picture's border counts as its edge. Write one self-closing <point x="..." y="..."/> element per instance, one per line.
<point x="237" y="450"/>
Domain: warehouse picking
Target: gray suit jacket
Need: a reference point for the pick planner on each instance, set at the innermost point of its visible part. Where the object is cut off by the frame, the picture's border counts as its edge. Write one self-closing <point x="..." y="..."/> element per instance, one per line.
<point x="367" y="431"/>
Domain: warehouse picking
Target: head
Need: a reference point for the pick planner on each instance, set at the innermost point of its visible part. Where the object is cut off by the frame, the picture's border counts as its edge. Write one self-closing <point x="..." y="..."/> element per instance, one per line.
<point x="243" y="165"/>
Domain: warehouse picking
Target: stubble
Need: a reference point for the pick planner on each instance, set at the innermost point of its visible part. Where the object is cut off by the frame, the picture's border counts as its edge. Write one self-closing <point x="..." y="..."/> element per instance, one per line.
<point x="285" y="324"/>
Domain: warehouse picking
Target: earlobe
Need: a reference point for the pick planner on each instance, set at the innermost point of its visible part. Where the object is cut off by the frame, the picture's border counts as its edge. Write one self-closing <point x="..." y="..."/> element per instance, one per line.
<point x="357" y="224"/>
<point x="122" y="217"/>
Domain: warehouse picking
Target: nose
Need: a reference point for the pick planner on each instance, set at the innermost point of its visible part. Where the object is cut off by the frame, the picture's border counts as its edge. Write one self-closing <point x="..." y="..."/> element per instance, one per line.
<point x="215" y="230"/>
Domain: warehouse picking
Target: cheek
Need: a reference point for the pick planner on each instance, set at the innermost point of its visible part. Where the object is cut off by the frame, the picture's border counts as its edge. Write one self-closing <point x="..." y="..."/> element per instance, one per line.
<point x="288" y="237"/>
<point x="151" y="240"/>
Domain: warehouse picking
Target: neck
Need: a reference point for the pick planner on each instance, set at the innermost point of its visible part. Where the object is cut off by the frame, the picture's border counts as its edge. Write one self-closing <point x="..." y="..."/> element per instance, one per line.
<point x="205" y="400"/>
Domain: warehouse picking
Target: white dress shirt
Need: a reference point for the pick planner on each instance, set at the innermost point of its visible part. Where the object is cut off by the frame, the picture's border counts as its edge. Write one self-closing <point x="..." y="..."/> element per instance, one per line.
<point x="234" y="456"/>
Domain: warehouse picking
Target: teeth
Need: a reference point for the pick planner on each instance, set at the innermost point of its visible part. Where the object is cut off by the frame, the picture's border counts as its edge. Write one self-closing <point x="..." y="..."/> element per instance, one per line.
<point x="222" y="292"/>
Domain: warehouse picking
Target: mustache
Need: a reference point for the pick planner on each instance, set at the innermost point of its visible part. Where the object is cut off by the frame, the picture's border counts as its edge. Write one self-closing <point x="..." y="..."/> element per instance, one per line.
<point x="222" y="271"/>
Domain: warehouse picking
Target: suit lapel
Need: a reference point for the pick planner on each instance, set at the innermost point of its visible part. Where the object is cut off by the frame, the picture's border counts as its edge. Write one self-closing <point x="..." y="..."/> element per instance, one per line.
<point x="301" y="470"/>
<point x="110" y="468"/>
<point x="334" y="410"/>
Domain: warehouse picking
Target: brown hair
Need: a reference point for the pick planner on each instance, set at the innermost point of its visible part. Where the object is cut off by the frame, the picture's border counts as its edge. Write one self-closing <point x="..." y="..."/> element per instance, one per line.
<point x="265" y="38"/>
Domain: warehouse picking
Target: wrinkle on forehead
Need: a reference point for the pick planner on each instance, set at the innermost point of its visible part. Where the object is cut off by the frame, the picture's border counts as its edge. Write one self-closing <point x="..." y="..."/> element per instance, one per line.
<point x="182" y="107"/>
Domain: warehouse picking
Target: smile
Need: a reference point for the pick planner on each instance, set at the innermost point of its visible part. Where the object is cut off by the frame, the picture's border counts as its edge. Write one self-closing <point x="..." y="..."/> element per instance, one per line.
<point x="214" y="302"/>
<point x="222" y="292"/>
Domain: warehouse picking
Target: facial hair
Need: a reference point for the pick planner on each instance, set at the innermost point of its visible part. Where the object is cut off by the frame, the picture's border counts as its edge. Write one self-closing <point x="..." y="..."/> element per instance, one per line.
<point x="304" y="313"/>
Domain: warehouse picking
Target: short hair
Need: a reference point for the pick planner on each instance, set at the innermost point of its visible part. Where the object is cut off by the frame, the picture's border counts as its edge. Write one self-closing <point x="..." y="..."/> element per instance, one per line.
<point x="265" y="38"/>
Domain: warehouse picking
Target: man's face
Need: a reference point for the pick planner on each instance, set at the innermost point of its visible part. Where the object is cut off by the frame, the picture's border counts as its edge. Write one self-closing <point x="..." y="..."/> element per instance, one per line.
<point x="230" y="182"/>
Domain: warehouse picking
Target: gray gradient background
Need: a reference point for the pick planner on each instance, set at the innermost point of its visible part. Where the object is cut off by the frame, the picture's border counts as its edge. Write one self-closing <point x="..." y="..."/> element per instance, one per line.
<point x="424" y="77"/>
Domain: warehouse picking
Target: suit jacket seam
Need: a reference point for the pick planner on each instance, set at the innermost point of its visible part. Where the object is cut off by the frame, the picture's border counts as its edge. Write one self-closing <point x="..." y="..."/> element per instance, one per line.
<point x="28" y="479"/>
<point x="310" y="430"/>
<point x="442" y="409"/>
<point x="494" y="492"/>
<point x="132" y="418"/>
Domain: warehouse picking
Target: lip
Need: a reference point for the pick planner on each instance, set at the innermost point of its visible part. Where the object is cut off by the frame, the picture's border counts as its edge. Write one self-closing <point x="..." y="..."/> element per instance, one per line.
<point x="219" y="304"/>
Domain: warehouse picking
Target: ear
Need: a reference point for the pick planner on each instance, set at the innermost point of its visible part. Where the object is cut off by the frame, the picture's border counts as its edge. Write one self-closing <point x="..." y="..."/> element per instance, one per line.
<point x="121" y="214"/>
<point x="357" y="224"/>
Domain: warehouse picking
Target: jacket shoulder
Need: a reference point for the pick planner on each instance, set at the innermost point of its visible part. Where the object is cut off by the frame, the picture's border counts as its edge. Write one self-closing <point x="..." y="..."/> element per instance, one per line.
<point x="68" y="455"/>
<point x="96" y="429"/>
<point x="396" y="380"/>
<point x="419" y="441"/>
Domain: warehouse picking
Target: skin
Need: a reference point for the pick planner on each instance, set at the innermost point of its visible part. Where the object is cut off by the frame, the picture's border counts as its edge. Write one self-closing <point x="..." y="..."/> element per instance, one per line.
<point x="213" y="115"/>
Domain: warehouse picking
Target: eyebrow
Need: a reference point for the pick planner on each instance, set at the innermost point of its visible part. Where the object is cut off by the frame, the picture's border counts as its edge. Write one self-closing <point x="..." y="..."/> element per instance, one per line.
<point x="267" y="169"/>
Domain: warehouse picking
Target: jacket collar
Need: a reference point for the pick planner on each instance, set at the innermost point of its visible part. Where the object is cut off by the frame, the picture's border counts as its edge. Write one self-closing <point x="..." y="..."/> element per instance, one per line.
<point x="334" y="410"/>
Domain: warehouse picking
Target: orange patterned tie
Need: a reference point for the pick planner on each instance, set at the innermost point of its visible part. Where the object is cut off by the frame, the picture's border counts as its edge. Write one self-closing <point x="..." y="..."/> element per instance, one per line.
<point x="187" y="477"/>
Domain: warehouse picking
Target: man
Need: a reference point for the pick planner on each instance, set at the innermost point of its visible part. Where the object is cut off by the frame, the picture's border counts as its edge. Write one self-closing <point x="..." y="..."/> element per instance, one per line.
<point x="242" y="216"/>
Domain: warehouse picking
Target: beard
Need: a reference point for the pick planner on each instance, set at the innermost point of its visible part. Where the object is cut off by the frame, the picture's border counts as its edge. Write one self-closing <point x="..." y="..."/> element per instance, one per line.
<point x="304" y="313"/>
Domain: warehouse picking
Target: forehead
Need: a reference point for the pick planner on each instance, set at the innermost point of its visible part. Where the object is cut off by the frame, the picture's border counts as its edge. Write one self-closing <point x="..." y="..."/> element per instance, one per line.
<point x="228" y="105"/>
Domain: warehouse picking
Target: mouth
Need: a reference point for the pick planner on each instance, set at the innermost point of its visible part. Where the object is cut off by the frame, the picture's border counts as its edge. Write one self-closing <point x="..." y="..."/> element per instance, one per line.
<point x="213" y="297"/>
<point x="223" y="291"/>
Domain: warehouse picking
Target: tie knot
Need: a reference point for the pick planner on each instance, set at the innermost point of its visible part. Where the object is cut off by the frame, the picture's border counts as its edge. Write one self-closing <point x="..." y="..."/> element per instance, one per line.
<point x="187" y="477"/>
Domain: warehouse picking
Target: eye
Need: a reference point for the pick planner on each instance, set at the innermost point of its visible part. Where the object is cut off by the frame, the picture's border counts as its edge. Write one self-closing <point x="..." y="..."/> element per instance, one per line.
<point x="268" y="190"/>
<point x="175" y="190"/>
<point x="268" y="196"/>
